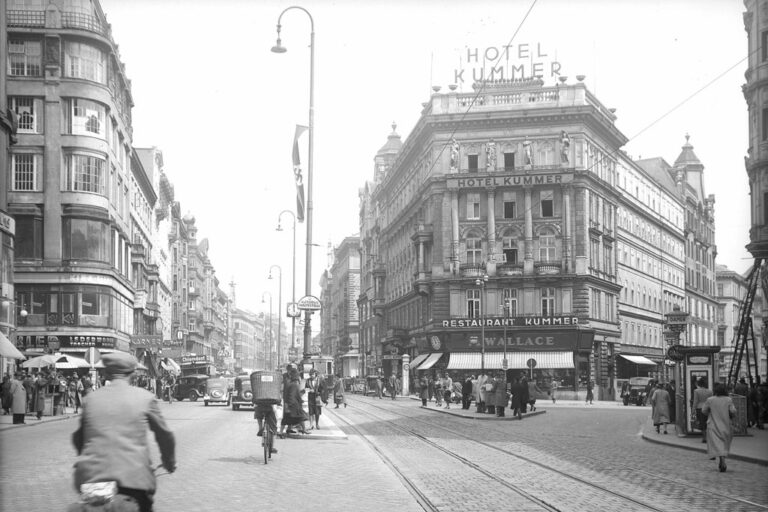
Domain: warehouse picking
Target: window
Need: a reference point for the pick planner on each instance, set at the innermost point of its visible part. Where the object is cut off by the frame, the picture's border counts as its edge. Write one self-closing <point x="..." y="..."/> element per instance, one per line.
<point x="473" y="303"/>
<point x="545" y="154"/>
<point x="509" y="248"/>
<point x="473" y="206"/>
<point x="192" y="326"/>
<point x="474" y="250"/>
<point x="547" y="301"/>
<point x="86" y="174"/>
<point x="95" y="308"/>
<point x="83" y="61"/>
<point x="24" y="58"/>
<point x="25" y="172"/>
<point x="29" y="237"/>
<point x="546" y="245"/>
<point x="28" y="109"/>
<point x="509" y="161"/>
<point x="86" y="118"/>
<point x="509" y="297"/>
<point x="546" y="198"/>
<point x="86" y="239"/>
<point x="472" y="163"/>
<point x="764" y="45"/>
<point x="509" y="202"/>
<point x="765" y="125"/>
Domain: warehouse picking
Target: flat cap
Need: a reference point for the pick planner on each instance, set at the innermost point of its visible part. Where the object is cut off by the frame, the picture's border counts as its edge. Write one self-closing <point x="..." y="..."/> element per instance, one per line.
<point x="118" y="363"/>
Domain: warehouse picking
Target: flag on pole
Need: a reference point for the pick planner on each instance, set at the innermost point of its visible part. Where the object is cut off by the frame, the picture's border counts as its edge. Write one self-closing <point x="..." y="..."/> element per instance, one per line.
<point x="297" y="173"/>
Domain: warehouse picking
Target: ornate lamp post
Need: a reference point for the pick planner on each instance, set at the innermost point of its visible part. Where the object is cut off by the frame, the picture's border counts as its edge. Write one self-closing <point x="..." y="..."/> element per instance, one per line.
<point x="293" y="279"/>
<point x="279" y="48"/>
<point x="675" y="322"/>
<point x="279" y="307"/>
<point x="268" y="347"/>
<point x="481" y="282"/>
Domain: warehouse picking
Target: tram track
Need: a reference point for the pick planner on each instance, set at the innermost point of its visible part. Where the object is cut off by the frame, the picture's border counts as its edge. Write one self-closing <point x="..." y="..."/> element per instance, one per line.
<point x="726" y="500"/>
<point x="540" y="502"/>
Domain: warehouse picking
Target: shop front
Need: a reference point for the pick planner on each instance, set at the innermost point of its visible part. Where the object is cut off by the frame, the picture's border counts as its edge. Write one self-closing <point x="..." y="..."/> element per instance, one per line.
<point x="551" y="351"/>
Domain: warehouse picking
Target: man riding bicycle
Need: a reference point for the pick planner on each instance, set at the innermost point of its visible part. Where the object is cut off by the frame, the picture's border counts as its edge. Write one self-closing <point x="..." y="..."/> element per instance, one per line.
<point x="265" y="411"/>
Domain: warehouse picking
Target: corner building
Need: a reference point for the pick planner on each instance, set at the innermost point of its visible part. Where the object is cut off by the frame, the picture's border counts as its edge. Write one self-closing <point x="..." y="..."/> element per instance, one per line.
<point x="499" y="211"/>
<point x="70" y="178"/>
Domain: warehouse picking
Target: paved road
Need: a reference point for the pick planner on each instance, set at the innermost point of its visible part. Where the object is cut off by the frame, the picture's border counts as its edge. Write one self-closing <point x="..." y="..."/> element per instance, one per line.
<point x="220" y="464"/>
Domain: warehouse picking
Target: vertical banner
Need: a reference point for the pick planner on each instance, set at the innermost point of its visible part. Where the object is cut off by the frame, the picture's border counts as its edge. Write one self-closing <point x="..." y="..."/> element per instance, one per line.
<point x="297" y="173"/>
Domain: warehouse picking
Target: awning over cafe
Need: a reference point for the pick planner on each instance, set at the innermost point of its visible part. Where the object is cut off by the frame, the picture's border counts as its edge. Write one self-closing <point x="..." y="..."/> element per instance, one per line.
<point x="430" y="361"/>
<point x="638" y="360"/>
<point x="8" y="349"/>
<point x="418" y="360"/>
<point x="516" y="360"/>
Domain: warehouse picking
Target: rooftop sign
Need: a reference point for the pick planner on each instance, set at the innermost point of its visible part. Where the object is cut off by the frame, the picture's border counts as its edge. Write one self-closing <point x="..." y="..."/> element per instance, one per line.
<point x="505" y="62"/>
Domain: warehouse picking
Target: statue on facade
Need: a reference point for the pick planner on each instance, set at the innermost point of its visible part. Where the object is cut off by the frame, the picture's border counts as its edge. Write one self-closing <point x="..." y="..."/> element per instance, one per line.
<point x="490" y="155"/>
<point x="528" y="152"/>
<point x="454" y="155"/>
<point x="565" y="144"/>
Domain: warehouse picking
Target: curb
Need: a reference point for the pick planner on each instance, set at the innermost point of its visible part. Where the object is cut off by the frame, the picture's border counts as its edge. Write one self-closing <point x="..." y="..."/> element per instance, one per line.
<point x="733" y="456"/>
<point x="35" y="422"/>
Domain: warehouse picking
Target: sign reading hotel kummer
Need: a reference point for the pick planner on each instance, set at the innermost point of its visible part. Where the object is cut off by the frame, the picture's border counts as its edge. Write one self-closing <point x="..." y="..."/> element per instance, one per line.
<point x="508" y="181"/>
<point x="505" y="62"/>
<point x="515" y="321"/>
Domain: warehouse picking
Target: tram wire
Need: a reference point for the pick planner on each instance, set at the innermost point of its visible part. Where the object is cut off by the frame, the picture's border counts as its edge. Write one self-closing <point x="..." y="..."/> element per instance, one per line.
<point x="634" y="470"/>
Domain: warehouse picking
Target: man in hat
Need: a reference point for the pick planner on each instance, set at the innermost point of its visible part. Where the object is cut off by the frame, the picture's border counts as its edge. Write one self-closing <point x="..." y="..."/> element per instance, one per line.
<point x="112" y="440"/>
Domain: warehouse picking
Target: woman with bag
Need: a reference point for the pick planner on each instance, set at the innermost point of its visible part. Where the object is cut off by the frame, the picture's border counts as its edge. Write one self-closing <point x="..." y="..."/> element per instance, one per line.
<point x="338" y="392"/>
<point x="316" y="396"/>
<point x="719" y="410"/>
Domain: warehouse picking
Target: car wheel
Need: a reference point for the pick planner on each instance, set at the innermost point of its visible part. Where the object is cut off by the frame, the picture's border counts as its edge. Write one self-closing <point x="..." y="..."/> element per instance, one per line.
<point x="192" y="396"/>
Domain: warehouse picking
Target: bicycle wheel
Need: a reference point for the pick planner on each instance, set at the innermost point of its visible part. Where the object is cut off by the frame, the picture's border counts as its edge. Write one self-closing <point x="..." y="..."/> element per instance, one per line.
<point x="267" y="443"/>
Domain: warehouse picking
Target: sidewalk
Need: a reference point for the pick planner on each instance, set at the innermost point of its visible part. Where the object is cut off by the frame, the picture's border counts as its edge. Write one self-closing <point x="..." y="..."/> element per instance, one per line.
<point x="6" y="421"/>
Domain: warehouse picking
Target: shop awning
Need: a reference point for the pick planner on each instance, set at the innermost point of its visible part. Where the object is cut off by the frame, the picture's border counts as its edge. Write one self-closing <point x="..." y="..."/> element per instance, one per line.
<point x="7" y="349"/>
<point x="430" y="361"/>
<point x="638" y="360"/>
<point x="418" y="360"/>
<point x="515" y="360"/>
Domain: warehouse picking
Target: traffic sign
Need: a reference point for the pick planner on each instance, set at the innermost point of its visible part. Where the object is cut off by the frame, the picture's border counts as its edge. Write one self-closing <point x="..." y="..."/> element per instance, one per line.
<point x="674" y="353"/>
<point x="309" y="303"/>
<point x="531" y="363"/>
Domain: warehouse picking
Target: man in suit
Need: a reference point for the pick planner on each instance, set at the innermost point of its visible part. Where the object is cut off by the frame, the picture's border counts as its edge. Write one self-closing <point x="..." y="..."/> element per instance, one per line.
<point x="112" y="439"/>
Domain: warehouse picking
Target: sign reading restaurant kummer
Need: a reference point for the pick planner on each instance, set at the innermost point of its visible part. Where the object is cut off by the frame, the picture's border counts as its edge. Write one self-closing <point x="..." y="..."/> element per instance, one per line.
<point x="309" y="303"/>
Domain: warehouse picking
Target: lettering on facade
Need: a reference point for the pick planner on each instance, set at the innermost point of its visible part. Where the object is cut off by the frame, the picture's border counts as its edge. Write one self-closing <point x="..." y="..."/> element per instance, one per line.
<point x="505" y="62"/>
<point x="509" y="181"/>
<point x="527" y="321"/>
<point x="7" y="224"/>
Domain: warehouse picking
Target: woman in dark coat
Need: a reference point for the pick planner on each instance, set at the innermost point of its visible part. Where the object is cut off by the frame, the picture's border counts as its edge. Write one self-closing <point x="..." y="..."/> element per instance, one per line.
<point x="7" y="397"/>
<point x="517" y="399"/>
<point x="500" y="398"/>
<point x="40" y="392"/>
<point x="293" y="411"/>
<point x="423" y="391"/>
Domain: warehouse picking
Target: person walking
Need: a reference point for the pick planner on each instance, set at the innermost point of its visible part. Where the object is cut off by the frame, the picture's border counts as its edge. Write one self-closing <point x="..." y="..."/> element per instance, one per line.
<point x="438" y="389"/>
<point x="338" y="392"/>
<point x="293" y="410"/>
<point x="447" y="385"/>
<point x="466" y="392"/>
<point x="525" y="397"/>
<point x="670" y="387"/>
<point x="392" y="386"/>
<point x="18" y="394"/>
<point x="111" y="440"/>
<point x="7" y="397"/>
<point x="431" y="384"/>
<point x="590" y="394"/>
<point x="379" y="386"/>
<point x="719" y="410"/>
<point x="424" y="390"/>
<point x="40" y="394"/>
<point x="500" y="396"/>
<point x="700" y="396"/>
<point x="29" y="387"/>
<point x="553" y="390"/>
<point x="660" y="407"/>
<point x="533" y="391"/>
<point x="482" y="383"/>
<point x="517" y="403"/>
<point x="317" y="395"/>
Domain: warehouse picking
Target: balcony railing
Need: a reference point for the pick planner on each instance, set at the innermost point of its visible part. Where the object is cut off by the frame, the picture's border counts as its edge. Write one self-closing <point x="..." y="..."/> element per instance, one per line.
<point x="85" y="22"/>
<point x="26" y="18"/>
<point x="547" y="267"/>
<point x="472" y="269"/>
<point x="509" y="269"/>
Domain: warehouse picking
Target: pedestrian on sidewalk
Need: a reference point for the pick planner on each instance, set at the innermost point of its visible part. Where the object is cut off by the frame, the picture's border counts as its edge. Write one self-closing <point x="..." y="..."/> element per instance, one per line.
<point x="317" y="395"/>
<point x="525" y="396"/>
<point x="533" y="390"/>
<point x="40" y="393"/>
<point x="700" y="396"/>
<point x="431" y="384"/>
<point x="660" y="407"/>
<point x="423" y="390"/>
<point x="7" y="397"/>
<point x="293" y="410"/>
<point x="670" y="387"/>
<point x="379" y="386"/>
<point x="466" y="392"/>
<point x="338" y="392"/>
<point x="18" y="403"/>
<point x="517" y="399"/>
<point x="482" y="385"/>
<point x="500" y="395"/>
<point x="447" y="385"/>
<point x="590" y="394"/>
<point x="719" y="410"/>
<point x="553" y="390"/>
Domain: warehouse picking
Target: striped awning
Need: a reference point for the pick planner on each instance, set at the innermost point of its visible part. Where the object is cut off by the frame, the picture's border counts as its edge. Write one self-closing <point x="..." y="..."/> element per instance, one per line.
<point x="516" y="360"/>
<point x="638" y="360"/>
<point x="430" y="361"/>
<point x="417" y="360"/>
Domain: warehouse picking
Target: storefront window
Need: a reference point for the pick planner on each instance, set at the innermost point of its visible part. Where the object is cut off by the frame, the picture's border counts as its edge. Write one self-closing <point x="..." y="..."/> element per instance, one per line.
<point x="86" y="239"/>
<point x="94" y="308"/>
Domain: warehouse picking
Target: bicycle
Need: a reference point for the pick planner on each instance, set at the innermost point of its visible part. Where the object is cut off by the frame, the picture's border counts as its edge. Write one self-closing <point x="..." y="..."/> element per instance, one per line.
<point x="267" y="441"/>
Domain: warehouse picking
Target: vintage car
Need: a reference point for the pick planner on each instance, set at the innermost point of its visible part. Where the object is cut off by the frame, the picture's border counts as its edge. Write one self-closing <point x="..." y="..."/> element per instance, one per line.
<point x="190" y="386"/>
<point x="217" y="391"/>
<point x="636" y="392"/>
<point x="241" y="392"/>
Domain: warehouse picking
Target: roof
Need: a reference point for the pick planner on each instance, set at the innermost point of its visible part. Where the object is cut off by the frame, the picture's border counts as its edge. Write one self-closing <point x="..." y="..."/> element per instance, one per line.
<point x="393" y="143"/>
<point x="658" y="169"/>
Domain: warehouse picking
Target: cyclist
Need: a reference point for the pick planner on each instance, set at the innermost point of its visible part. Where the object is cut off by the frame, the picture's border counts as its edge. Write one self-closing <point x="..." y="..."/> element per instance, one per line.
<point x="262" y="412"/>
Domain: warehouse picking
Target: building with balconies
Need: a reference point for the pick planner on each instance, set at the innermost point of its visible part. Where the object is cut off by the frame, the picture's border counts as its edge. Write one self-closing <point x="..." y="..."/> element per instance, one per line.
<point x="70" y="178"/>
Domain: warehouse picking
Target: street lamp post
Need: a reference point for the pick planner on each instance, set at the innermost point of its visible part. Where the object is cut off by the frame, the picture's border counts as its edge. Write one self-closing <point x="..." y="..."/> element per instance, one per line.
<point x="293" y="279"/>
<point x="267" y="348"/>
<point x="279" y="307"/>
<point x="279" y="48"/>
<point x="481" y="282"/>
<point x="505" y="311"/>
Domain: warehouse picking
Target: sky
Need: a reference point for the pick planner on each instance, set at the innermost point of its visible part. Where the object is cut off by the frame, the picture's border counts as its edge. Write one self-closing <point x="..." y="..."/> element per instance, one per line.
<point x="223" y="109"/>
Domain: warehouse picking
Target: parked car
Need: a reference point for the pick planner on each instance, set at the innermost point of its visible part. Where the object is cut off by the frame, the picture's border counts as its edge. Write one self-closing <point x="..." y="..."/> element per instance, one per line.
<point x="242" y="393"/>
<point x="216" y="391"/>
<point x="190" y="386"/>
<point x="637" y="391"/>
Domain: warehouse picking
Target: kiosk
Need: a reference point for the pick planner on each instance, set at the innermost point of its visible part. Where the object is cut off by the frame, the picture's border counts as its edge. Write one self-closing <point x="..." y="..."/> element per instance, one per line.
<point x="693" y="363"/>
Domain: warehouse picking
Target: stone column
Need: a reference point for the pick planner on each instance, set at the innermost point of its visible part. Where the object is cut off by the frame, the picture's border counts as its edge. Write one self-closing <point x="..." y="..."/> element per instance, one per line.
<point x="528" y="257"/>
<point x="491" y="221"/>
<point x="567" y="228"/>
<point x="455" y="226"/>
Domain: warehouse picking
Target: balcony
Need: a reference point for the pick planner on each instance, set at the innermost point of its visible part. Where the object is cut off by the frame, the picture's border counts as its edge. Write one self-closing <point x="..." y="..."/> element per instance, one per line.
<point x="509" y="269"/>
<point x="472" y="269"/>
<point x="193" y="291"/>
<point x="547" y="267"/>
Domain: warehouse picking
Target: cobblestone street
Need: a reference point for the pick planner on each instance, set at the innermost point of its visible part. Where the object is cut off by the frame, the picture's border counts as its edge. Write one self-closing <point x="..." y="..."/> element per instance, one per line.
<point x="221" y="468"/>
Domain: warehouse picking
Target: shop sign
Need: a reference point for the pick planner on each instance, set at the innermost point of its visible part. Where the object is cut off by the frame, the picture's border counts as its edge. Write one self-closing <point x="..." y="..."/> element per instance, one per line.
<point x="505" y="62"/>
<point x="308" y="303"/>
<point x="509" y="181"/>
<point x="147" y="340"/>
<point x="526" y="321"/>
<point x="66" y="341"/>
<point x="7" y="224"/>
<point x="194" y="359"/>
<point x="520" y="340"/>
